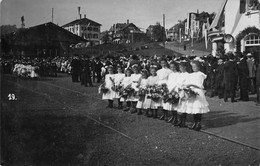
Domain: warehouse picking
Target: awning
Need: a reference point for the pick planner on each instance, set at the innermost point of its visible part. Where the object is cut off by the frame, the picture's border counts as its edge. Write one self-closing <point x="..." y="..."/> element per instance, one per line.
<point x="216" y="20"/>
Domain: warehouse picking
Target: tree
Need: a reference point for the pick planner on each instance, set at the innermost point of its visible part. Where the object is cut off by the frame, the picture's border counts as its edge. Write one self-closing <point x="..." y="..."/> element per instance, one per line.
<point x="7" y="29"/>
<point x="158" y="32"/>
<point x="106" y="37"/>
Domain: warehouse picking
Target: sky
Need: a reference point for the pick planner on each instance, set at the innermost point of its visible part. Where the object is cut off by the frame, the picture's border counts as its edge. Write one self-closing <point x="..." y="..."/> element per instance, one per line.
<point x="106" y="12"/>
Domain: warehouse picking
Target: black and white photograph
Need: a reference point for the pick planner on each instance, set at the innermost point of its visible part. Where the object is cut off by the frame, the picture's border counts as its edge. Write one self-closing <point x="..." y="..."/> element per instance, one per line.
<point x="130" y="82"/>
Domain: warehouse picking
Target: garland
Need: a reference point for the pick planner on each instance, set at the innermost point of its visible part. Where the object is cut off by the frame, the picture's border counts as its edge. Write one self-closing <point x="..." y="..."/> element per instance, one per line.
<point x="243" y="33"/>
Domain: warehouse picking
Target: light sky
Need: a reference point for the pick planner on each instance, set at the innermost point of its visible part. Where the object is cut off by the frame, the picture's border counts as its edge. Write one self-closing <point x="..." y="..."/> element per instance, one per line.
<point x="106" y="12"/>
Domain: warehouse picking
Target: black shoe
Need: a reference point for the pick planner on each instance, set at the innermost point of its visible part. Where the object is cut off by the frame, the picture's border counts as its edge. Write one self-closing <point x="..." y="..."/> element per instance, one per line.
<point x="133" y="110"/>
<point x="175" y="121"/>
<point x="139" y="112"/>
<point x="193" y="126"/>
<point x="126" y="109"/>
<point x="146" y="112"/>
<point x="154" y="114"/>
<point x="198" y="127"/>
<point x="171" y="119"/>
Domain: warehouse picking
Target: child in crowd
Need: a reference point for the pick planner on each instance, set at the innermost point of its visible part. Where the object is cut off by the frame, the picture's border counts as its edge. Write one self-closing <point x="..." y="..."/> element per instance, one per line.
<point x="149" y="103"/>
<point x="143" y="84"/>
<point x="118" y="80"/>
<point x="198" y="105"/>
<point x="182" y="82"/>
<point x="163" y="74"/>
<point x="127" y="83"/>
<point x="109" y="83"/>
<point x="172" y="85"/>
<point x="135" y="79"/>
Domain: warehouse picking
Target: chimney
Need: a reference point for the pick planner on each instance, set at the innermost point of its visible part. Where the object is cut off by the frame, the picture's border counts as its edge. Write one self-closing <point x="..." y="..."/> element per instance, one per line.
<point x="127" y="21"/>
<point x="79" y="16"/>
<point x="85" y="15"/>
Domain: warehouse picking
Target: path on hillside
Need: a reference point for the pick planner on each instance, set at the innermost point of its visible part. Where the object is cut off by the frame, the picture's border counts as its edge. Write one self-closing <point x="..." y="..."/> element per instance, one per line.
<point x="172" y="46"/>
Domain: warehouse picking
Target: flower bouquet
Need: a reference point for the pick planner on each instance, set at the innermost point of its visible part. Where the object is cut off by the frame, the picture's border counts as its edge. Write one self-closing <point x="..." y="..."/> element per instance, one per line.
<point x="187" y="93"/>
<point x="154" y="92"/>
<point x="117" y="88"/>
<point x="125" y="92"/>
<point x="141" y="93"/>
<point x="103" y="89"/>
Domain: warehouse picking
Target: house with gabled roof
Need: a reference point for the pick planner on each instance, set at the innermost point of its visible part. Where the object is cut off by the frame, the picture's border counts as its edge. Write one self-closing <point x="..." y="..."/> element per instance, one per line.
<point x="124" y="32"/>
<point x="85" y="28"/>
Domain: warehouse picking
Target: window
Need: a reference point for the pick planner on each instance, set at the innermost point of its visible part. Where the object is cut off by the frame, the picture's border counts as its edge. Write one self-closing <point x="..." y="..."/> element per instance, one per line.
<point x="95" y="36"/>
<point x="89" y="28"/>
<point x="96" y="29"/>
<point x="252" y="40"/>
<point x="249" y="5"/>
<point x="89" y="35"/>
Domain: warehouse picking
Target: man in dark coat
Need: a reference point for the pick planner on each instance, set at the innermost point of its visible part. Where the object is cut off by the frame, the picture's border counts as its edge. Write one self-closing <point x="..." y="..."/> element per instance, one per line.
<point x="230" y="78"/>
<point x="75" y="67"/>
<point x="258" y="85"/>
<point x="93" y="69"/>
<point x="98" y="68"/>
<point x="219" y="89"/>
<point x="88" y="73"/>
<point x="83" y="72"/>
<point x="243" y="74"/>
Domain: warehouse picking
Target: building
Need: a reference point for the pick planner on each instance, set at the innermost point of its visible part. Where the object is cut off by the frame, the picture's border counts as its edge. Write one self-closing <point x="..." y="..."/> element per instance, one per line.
<point x="124" y="32"/>
<point x="192" y="25"/>
<point x="156" y="32"/>
<point x="45" y="40"/>
<point x="85" y="28"/>
<point x="236" y="27"/>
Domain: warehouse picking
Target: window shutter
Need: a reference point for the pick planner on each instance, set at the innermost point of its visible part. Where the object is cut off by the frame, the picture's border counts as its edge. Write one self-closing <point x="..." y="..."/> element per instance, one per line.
<point x="242" y="6"/>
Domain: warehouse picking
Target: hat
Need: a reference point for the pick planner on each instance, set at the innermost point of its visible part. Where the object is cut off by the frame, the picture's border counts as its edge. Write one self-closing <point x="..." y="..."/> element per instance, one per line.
<point x="135" y="66"/>
<point x="249" y="54"/>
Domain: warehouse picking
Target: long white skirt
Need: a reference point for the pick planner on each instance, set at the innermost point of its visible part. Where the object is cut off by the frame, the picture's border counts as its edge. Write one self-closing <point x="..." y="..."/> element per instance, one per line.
<point x="169" y="106"/>
<point x="110" y="95"/>
<point x="198" y="105"/>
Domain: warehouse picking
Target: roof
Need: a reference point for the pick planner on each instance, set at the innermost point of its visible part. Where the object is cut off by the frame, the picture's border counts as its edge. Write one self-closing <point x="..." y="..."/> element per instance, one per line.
<point x="44" y="33"/>
<point x="82" y="21"/>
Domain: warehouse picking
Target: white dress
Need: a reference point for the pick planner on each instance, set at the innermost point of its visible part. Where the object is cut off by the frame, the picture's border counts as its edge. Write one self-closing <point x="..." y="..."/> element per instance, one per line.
<point x="118" y="80"/>
<point x="163" y="75"/>
<point x="199" y="105"/>
<point x="126" y="82"/>
<point x="172" y="85"/>
<point x="135" y="80"/>
<point x="149" y="103"/>
<point x="143" y="84"/>
<point x="110" y="95"/>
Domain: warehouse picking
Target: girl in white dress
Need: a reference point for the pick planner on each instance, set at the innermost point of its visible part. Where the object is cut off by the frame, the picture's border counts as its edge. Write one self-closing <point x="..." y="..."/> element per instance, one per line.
<point x="199" y="105"/>
<point x="135" y="79"/>
<point x="125" y="83"/>
<point x="182" y="82"/>
<point x="143" y="84"/>
<point x="163" y="75"/>
<point x="149" y="104"/>
<point x="109" y="83"/>
<point x="119" y="77"/>
<point x="172" y="85"/>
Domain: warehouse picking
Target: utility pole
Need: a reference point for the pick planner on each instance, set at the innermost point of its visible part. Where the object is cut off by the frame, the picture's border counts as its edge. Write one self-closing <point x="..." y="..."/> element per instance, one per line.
<point x="164" y="30"/>
<point x="52" y="10"/>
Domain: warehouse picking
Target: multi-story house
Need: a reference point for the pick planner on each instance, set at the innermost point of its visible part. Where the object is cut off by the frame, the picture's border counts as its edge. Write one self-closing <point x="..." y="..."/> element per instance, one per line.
<point x="192" y="25"/>
<point x="85" y="28"/>
<point x="124" y="32"/>
<point x="237" y="27"/>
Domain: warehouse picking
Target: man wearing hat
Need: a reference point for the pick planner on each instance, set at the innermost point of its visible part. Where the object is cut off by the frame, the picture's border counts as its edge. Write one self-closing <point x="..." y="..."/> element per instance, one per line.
<point x="243" y="76"/>
<point x="252" y="72"/>
<point x="230" y="78"/>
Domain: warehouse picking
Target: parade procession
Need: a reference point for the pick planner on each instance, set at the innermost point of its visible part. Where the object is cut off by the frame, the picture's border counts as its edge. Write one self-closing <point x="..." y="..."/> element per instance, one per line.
<point x="146" y="83"/>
